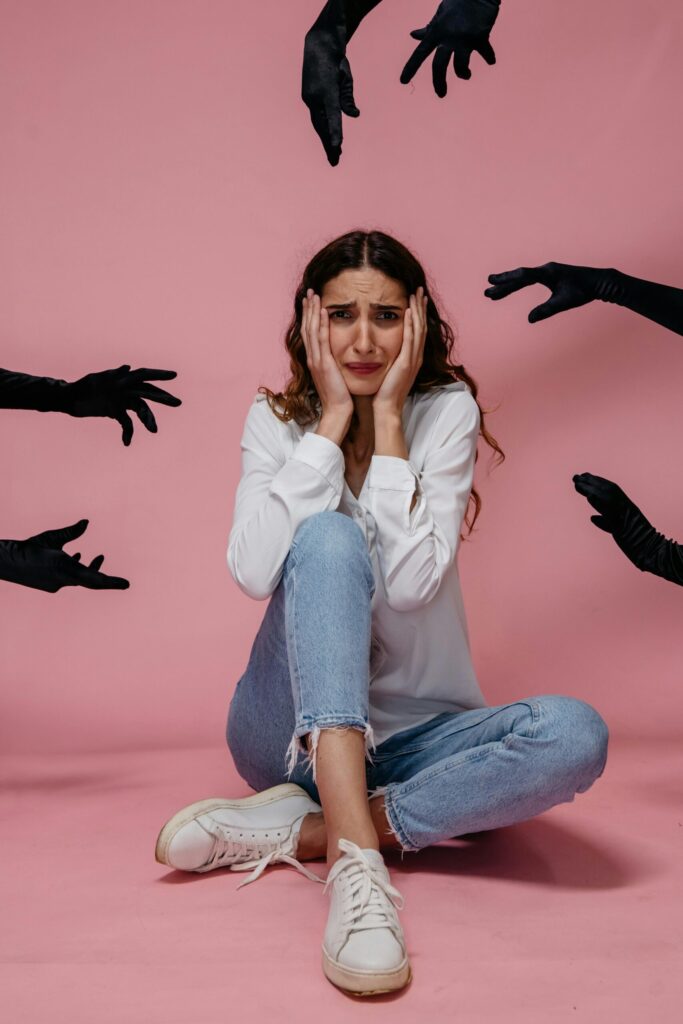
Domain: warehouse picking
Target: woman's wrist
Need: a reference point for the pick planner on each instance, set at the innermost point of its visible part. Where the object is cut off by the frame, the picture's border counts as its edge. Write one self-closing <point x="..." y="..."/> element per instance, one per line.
<point x="334" y="424"/>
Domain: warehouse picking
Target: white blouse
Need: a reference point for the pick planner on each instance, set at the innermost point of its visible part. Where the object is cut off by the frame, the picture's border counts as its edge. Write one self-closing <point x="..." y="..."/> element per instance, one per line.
<point x="420" y="664"/>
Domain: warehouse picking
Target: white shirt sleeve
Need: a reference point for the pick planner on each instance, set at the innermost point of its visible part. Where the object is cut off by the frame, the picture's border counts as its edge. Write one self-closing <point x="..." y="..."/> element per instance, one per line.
<point x="415" y="549"/>
<point x="275" y="495"/>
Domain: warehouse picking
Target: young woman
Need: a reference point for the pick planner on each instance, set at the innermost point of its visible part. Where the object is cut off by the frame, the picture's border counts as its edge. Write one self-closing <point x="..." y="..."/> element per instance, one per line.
<point x="359" y="719"/>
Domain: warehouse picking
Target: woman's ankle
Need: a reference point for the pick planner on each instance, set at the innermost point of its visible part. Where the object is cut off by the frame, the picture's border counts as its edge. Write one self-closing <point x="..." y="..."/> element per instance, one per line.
<point x="312" y="840"/>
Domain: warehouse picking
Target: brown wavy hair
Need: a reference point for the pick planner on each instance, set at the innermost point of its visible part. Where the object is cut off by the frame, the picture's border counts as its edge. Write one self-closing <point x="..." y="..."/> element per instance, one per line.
<point x="352" y="251"/>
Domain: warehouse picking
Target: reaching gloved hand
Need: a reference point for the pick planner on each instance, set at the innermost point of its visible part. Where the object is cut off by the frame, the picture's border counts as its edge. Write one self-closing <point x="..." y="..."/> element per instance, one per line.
<point x="458" y="28"/>
<point x="649" y="550"/>
<point x="39" y="562"/>
<point x="575" y="286"/>
<point x="107" y="393"/>
<point x="326" y="79"/>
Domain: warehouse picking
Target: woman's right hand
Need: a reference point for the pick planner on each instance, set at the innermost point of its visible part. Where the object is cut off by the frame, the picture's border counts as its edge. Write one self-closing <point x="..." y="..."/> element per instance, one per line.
<point x="334" y="395"/>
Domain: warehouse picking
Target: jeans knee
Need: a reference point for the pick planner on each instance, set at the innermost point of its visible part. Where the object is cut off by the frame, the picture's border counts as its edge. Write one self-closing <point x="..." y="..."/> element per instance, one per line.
<point x="581" y="732"/>
<point x="335" y="540"/>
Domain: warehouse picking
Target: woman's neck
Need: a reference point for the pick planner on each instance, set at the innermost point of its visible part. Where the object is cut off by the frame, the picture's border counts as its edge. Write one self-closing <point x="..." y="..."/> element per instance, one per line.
<point x="359" y="442"/>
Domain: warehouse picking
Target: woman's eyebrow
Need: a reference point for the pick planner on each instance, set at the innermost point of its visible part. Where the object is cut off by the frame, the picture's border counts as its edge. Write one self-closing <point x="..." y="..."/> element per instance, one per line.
<point x="349" y="305"/>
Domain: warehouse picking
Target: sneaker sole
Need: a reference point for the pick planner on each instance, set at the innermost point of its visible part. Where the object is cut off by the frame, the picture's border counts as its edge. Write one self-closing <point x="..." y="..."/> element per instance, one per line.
<point x="366" y="983"/>
<point x="187" y="814"/>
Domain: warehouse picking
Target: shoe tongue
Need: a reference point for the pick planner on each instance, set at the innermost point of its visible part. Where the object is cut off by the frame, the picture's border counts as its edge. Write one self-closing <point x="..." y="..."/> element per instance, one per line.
<point x="375" y="858"/>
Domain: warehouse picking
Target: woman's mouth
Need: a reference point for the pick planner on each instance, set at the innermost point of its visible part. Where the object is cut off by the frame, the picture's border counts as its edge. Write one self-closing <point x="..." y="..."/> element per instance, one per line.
<point x="364" y="367"/>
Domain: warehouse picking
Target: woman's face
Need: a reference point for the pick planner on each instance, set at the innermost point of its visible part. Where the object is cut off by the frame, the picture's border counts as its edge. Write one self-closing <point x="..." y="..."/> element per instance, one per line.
<point x="366" y="310"/>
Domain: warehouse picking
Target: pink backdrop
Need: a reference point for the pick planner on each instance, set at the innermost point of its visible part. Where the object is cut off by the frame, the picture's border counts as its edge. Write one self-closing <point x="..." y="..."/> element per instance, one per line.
<point x="161" y="189"/>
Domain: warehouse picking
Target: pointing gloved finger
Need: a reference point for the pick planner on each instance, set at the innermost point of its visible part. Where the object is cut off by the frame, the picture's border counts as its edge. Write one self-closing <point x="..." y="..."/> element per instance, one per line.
<point x="146" y="415"/>
<point x="439" y="69"/>
<point x="485" y="50"/>
<point x="156" y="394"/>
<point x="58" y="538"/>
<point x="346" y="100"/>
<point x="602" y="523"/>
<point x="461" y="61"/>
<point x="419" y="54"/>
<point x="84" y="576"/>
<point x="553" y="305"/>
<point x="127" y="425"/>
<point x="146" y="374"/>
<point x="96" y="562"/>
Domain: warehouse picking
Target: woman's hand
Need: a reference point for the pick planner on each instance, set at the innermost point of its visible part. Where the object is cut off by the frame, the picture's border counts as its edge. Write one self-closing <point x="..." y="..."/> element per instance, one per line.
<point x="398" y="381"/>
<point x="328" y="379"/>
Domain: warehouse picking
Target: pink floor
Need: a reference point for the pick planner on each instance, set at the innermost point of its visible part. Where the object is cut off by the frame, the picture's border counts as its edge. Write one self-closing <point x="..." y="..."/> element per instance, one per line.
<point x="574" y="916"/>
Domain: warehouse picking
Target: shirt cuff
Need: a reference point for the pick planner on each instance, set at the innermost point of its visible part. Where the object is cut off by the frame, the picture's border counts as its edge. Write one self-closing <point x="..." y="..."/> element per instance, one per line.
<point x="322" y="454"/>
<point x="389" y="472"/>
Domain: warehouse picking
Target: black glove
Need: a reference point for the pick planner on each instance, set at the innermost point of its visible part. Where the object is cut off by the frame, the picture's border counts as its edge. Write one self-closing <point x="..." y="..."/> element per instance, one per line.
<point x="107" y="393"/>
<point x="326" y="79"/>
<point x="574" y="286"/>
<point x="649" y="550"/>
<point x="39" y="562"/>
<point x="459" y="27"/>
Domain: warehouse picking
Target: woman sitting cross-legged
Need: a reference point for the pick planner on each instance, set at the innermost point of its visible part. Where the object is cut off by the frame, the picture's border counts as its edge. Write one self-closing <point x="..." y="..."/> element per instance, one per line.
<point x="359" y="719"/>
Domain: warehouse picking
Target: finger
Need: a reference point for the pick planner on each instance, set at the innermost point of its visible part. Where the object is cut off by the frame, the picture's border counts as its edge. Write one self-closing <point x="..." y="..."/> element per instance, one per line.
<point x="346" y="100"/>
<point x="439" y="69"/>
<point x="314" y="329"/>
<point x="602" y="523"/>
<point x="322" y="126"/>
<point x="486" y="51"/>
<point x="324" y="333"/>
<point x="96" y="563"/>
<point x="156" y="395"/>
<point x="550" y="308"/>
<point x="146" y="374"/>
<point x="419" y="54"/>
<point x="461" y="61"/>
<point x="500" y="291"/>
<point x="76" y="557"/>
<point x="58" y="538"/>
<point x="419" y="33"/>
<point x="84" y="576"/>
<point x="145" y="414"/>
<point x="513" y="280"/>
<point x="127" y="425"/>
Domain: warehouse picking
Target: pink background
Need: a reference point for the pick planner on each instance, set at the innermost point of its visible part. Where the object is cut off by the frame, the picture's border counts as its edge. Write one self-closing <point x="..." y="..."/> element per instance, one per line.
<point x="161" y="188"/>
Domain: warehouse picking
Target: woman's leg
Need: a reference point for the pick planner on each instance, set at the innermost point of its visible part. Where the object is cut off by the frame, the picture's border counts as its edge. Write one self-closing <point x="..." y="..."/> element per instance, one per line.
<point x="487" y="768"/>
<point x="309" y="676"/>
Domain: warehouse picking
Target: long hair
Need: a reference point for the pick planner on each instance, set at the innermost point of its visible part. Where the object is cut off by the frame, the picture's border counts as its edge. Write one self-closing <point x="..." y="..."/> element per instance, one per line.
<point x="356" y="249"/>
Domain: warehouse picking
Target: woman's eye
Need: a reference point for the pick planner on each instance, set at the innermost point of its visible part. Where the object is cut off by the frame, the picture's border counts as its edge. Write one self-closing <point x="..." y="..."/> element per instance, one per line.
<point x="388" y="313"/>
<point x="338" y="313"/>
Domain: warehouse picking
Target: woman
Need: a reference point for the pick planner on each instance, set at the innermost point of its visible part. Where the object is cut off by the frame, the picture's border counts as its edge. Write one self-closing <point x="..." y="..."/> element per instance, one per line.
<point x="359" y="688"/>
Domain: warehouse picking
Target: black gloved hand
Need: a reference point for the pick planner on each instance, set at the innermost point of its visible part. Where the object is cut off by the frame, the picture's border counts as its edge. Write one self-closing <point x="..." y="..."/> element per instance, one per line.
<point x="327" y="90"/>
<point x="649" y="550"/>
<point x="107" y="393"/>
<point x="326" y="79"/>
<point x="459" y="27"/>
<point x="39" y="562"/>
<point x="111" y="392"/>
<point x="575" y="286"/>
<point x="570" y="286"/>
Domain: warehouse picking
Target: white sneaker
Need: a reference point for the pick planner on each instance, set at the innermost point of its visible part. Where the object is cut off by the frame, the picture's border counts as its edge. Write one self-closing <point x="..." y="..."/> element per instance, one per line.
<point x="252" y="832"/>
<point x="364" y="950"/>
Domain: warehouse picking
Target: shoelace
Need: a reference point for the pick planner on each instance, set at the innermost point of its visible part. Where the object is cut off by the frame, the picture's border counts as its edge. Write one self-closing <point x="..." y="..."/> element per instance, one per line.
<point x="364" y="906"/>
<point x="226" y="847"/>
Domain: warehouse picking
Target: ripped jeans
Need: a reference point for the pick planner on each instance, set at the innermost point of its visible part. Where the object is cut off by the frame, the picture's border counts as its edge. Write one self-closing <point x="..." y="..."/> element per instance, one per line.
<point x="458" y="773"/>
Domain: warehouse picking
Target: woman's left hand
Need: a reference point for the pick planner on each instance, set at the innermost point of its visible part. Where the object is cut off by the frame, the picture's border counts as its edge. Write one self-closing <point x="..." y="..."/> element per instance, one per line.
<point x="398" y="381"/>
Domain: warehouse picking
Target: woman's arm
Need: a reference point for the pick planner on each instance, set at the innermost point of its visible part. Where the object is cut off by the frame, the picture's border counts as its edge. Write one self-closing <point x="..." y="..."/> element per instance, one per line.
<point x="275" y="495"/>
<point x="417" y="540"/>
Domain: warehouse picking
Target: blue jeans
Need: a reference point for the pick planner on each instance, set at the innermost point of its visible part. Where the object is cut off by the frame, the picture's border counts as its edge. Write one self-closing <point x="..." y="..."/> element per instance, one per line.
<point x="458" y="773"/>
